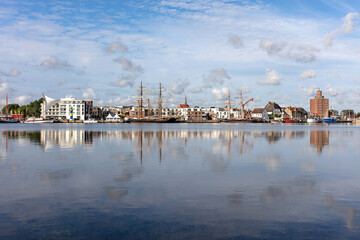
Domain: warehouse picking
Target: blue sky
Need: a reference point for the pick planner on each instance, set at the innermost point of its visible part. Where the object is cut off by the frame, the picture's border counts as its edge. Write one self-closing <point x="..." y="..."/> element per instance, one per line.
<point x="280" y="51"/>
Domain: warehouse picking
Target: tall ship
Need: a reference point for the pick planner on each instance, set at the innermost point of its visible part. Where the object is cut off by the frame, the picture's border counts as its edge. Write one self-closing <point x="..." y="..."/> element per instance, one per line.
<point x="150" y="119"/>
<point x="8" y="119"/>
<point x="47" y="103"/>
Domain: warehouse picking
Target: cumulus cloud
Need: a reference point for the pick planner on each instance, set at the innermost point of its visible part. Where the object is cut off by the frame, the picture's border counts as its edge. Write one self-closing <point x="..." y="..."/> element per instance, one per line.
<point x="349" y="25"/>
<point x="298" y="52"/>
<point x="119" y="101"/>
<point x="4" y="86"/>
<point x="23" y="99"/>
<point x="62" y="82"/>
<point x="215" y="77"/>
<point x="308" y="74"/>
<point x="272" y="78"/>
<point x="13" y="73"/>
<point x="117" y="47"/>
<point x="235" y="41"/>
<point x="128" y="65"/>
<point x="89" y="94"/>
<point x="179" y="86"/>
<point x="55" y="63"/>
<point x="195" y="90"/>
<point x="332" y="92"/>
<point x="220" y="94"/>
<point x="125" y="80"/>
<point x="310" y="91"/>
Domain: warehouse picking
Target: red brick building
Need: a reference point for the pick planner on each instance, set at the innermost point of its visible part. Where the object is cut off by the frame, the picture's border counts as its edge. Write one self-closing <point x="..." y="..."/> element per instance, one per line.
<point x="319" y="106"/>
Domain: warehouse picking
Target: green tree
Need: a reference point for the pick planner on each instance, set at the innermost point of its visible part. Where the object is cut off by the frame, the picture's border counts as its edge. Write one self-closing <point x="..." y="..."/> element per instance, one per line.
<point x="34" y="108"/>
<point x="12" y="108"/>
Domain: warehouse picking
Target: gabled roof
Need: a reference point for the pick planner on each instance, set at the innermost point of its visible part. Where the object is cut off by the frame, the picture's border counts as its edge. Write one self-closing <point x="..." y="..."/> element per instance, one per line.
<point x="271" y="106"/>
<point x="258" y="110"/>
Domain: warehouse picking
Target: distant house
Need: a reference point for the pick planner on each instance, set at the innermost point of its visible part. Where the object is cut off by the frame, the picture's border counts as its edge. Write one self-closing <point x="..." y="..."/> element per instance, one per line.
<point x="260" y="113"/>
<point x="296" y="113"/>
<point x="273" y="108"/>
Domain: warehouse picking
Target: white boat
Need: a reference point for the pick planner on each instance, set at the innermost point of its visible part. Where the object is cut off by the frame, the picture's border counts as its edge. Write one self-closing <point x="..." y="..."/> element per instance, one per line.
<point x="312" y="120"/>
<point x="90" y="121"/>
<point x="38" y="120"/>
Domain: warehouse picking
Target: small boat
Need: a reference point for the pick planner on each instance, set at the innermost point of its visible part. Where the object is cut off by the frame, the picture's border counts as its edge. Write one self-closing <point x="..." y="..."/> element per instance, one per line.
<point x="38" y="120"/>
<point x="275" y="121"/>
<point x="10" y="120"/>
<point x="329" y="120"/>
<point x="290" y="121"/>
<point x="90" y="121"/>
<point x="312" y="120"/>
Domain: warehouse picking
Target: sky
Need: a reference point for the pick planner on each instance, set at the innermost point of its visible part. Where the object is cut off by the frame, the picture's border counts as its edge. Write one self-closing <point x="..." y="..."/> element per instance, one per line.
<point x="277" y="50"/>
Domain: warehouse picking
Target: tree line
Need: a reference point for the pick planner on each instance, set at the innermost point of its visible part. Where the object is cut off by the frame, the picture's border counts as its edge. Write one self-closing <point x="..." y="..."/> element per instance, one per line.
<point x="33" y="109"/>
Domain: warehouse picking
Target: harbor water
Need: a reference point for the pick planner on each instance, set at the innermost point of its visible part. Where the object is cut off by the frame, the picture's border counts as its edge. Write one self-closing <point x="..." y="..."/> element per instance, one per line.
<point x="179" y="181"/>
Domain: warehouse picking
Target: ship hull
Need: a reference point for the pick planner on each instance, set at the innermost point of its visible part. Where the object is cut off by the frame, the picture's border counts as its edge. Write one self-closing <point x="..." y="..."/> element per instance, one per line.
<point x="169" y="120"/>
<point x="36" y="121"/>
<point x="9" y="121"/>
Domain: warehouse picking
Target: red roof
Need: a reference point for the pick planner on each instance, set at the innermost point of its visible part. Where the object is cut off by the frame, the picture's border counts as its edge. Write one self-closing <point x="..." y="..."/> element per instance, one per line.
<point x="183" y="106"/>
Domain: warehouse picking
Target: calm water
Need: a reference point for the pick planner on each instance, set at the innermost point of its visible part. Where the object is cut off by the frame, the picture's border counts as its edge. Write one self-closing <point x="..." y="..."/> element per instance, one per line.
<point x="181" y="181"/>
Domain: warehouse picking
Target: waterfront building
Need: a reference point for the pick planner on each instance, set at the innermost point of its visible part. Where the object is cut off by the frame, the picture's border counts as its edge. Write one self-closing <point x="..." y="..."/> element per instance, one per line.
<point x="273" y="109"/>
<point x="88" y="109"/>
<point x="319" y="106"/>
<point x="65" y="109"/>
<point x="260" y="113"/>
<point x="296" y="113"/>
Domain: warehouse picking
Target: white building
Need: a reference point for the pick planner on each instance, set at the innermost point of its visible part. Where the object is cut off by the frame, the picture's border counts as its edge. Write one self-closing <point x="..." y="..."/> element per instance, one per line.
<point x="260" y="113"/>
<point x="62" y="108"/>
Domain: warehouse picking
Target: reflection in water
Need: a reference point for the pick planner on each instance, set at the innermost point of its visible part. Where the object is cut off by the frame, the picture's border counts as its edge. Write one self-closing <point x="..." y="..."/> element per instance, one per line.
<point x="159" y="183"/>
<point x="319" y="139"/>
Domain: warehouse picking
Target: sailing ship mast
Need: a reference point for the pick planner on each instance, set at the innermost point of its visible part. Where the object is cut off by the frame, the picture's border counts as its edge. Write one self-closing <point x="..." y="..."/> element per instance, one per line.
<point x="160" y="101"/>
<point x="228" y="103"/>
<point x="140" y="101"/>
<point x="148" y="103"/>
<point x="7" y="101"/>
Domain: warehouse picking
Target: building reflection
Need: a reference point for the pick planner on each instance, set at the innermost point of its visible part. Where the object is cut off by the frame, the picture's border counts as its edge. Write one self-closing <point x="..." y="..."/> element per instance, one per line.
<point x="237" y="142"/>
<point x="319" y="139"/>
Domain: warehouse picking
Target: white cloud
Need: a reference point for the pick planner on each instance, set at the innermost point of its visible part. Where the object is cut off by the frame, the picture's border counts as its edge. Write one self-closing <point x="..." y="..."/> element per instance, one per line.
<point x="128" y="65"/>
<point x="13" y="73"/>
<point x="4" y="86"/>
<point x="22" y="100"/>
<point x="179" y="86"/>
<point x="308" y="74"/>
<point x="55" y="63"/>
<point x="89" y="94"/>
<point x="125" y="80"/>
<point x="220" y="94"/>
<point x="272" y="78"/>
<point x="235" y="41"/>
<point x="117" y="47"/>
<point x="195" y="90"/>
<point x="310" y="91"/>
<point x="349" y="25"/>
<point x="298" y="52"/>
<point x="332" y="92"/>
<point x="123" y="83"/>
<point x="215" y="77"/>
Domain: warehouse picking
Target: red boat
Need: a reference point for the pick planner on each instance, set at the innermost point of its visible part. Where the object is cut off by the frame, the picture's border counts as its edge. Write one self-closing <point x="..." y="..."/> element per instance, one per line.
<point x="290" y="121"/>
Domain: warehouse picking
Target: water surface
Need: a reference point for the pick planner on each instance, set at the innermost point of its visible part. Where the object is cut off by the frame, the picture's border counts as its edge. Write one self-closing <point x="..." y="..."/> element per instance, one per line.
<point x="179" y="181"/>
